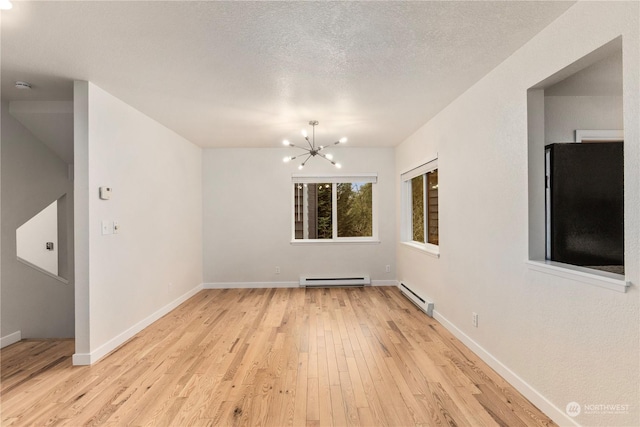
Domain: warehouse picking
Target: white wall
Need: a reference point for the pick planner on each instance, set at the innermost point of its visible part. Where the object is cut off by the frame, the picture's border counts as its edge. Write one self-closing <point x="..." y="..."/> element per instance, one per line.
<point x="560" y="340"/>
<point x="128" y="279"/>
<point x="248" y="212"/>
<point x="32" y="177"/>
<point x="564" y="114"/>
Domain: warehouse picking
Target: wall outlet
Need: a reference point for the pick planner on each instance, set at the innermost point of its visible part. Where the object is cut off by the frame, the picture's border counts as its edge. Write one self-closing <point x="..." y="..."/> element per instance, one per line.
<point x="474" y="319"/>
<point x="277" y="270"/>
<point x="107" y="227"/>
<point x="387" y="268"/>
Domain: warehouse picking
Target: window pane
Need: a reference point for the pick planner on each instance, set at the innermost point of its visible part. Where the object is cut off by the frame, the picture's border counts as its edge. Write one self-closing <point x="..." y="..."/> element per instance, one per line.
<point x="432" y="206"/>
<point x="323" y="218"/>
<point x="354" y="210"/>
<point x="312" y="211"/>
<point x="417" y="209"/>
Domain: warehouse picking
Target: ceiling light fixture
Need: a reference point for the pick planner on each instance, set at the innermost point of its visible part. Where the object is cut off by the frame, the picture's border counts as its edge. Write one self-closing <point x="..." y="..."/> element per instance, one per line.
<point x="313" y="150"/>
<point x="23" y="85"/>
<point x="5" y="4"/>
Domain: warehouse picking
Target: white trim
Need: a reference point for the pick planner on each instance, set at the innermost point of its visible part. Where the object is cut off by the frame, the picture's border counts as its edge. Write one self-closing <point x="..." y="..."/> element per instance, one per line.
<point x="334" y="178"/>
<point x="117" y="341"/>
<point x="264" y="285"/>
<point x="420" y="170"/>
<point x="602" y="279"/>
<point x="426" y="248"/>
<point x="338" y="240"/>
<point x="392" y="282"/>
<point x="81" y="359"/>
<point x="546" y="406"/>
<point x="10" y="339"/>
<point x="427" y="160"/>
<point x="42" y="270"/>
<point x="599" y="135"/>
<point x="250" y="285"/>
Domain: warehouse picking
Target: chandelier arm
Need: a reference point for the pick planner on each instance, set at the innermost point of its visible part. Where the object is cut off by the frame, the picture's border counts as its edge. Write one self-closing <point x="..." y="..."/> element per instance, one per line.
<point x="310" y="144"/>
<point x="305" y="160"/>
<point x="296" y="146"/>
<point x="325" y="157"/>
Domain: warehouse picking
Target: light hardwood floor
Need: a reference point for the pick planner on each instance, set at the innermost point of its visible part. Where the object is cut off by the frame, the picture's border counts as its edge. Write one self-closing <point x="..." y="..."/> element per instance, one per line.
<point x="269" y="357"/>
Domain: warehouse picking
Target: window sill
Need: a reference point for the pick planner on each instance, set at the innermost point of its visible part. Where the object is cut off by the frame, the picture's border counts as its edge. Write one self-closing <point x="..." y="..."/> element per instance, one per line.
<point x="344" y="241"/>
<point x="430" y="250"/>
<point x="602" y="279"/>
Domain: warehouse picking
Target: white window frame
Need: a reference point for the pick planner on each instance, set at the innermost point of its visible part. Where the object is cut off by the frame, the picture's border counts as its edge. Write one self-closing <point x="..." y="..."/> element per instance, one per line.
<point x="406" y="225"/>
<point x="334" y="180"/>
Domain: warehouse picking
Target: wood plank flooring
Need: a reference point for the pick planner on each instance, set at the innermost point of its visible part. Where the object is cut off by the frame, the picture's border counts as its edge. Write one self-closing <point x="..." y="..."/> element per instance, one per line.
<point x="268" y="357"/>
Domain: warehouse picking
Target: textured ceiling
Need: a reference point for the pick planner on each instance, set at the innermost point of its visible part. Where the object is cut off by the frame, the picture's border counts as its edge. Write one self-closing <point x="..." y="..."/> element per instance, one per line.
<point x="248" y="74"/>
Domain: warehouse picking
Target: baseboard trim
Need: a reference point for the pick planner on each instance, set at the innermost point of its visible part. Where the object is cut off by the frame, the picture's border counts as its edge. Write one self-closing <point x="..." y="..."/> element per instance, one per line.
<point x="117" y="341"/>
<point x="552" y="411"/>
<point x="10" y="339"/>
<point x="250" y="285"/>
<point x="385" y="283"/>
<point x="263" y="285"/>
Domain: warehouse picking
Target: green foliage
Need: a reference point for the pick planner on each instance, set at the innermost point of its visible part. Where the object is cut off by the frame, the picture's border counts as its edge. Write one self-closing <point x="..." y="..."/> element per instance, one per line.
<point x="325" y="226"/>
<point x="354" y="210"/>
<point x="417" y="208"/>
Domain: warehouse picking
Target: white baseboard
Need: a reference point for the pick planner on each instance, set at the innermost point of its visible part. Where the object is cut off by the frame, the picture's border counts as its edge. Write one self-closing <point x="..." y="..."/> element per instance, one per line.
<point x="552" y="411"/>
<point x="10" y="339"/>
<point x="250" y="285"/>
<point x="262" y="285"/>
<point x="112" y="344"/>
<point x="385" y="283"/>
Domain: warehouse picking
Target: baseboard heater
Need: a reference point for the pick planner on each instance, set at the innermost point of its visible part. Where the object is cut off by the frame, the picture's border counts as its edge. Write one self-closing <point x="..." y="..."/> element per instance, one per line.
<point x="326" y="282"/>
<point x="421" y="303"/>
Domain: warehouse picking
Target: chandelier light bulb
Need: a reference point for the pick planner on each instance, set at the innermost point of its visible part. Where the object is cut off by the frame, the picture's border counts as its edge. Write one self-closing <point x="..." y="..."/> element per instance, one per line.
<point x="5" y="4"/>
<point x="300" y="167"/>
<point x="286" y="159"/>
<point x="343" y="140"/>
<point x="329" y="156"/>
<point x="285" y="142"/>
<point x="338" y="165"/>
<point x="304" y="133"/>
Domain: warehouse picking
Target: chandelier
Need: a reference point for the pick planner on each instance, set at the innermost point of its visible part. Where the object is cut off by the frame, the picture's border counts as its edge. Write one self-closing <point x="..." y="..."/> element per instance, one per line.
<point x="312" y="150"/>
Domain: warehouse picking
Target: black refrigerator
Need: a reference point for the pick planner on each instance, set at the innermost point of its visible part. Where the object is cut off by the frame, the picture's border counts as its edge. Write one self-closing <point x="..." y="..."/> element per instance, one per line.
<point x="585" y="204"/>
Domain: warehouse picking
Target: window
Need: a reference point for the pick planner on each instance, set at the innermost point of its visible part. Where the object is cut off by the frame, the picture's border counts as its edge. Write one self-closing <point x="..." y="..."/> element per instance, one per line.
<point x="420" y="207"/>
<point x="334" y="208"/>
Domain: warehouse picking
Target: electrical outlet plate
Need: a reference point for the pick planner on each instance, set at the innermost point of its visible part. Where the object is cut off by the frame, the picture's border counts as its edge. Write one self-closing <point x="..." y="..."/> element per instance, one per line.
<point x="107" y="227"/>
<point x="475" y="319"/>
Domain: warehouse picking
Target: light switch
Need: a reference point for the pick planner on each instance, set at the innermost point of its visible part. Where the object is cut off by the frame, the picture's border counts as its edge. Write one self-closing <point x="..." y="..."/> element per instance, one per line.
<point x="116" y="227"/>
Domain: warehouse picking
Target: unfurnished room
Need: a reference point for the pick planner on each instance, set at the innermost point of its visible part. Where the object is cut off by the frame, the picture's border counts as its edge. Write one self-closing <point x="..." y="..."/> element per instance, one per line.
<point x="314" y="213"/>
